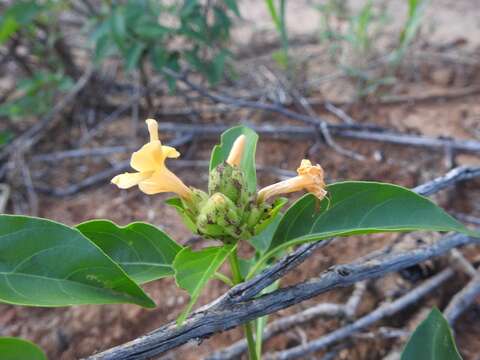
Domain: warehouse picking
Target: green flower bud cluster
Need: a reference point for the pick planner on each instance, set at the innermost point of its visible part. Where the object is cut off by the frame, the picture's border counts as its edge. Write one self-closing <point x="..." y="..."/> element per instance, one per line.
<point x="229" y="181"/>
<point x="229" y="212"/>
<point x="223" y="215"/>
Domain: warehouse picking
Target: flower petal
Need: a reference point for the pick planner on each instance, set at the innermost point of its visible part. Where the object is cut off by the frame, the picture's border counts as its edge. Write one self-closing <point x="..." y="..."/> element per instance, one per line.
<point x="127" y="180"/>
<point x="236" y="152"/>
<point x="310" y="178"/>
<point x="170" y="152"/>
<point x="152" y="126"/>
<point x="164" y="181"/>
<point x="149" y="158"/>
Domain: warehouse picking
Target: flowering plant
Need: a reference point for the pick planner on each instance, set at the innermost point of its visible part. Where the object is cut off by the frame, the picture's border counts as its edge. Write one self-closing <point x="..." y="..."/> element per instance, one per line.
<point x="44" y="263"/>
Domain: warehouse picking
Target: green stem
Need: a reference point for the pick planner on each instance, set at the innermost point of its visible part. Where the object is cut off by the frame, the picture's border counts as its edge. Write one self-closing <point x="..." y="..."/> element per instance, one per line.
<point x="247" y="328"/>
<point x="224" y="278"/>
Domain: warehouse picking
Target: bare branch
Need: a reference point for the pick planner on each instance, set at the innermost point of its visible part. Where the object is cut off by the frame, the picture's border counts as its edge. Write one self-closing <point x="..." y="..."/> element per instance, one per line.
<point x="223" y="315"/>
<point x="348" y="131"/>
<point x="33" y="134"/>
<point x="459" y="261"/>
<point x="225" y="99"/>
<point x="453" y="177"/>
<point x="463" y="299"/>
<point x="82" y="152"/>
<point x="100" y="176"/>
<point x="323" y="310"/>
<point x="342" y="115"/>
<point x="383" y="311"/>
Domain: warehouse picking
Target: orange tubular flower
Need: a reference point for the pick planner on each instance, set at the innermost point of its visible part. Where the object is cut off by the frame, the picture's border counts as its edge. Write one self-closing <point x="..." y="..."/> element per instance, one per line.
<point x="310" y="178"/>
<point x="152" y="176"/>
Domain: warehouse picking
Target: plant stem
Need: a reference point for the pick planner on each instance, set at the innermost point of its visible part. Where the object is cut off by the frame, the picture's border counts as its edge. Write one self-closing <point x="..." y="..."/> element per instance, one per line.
<point x="224" y="278"/>
<point x="247" y="328"/>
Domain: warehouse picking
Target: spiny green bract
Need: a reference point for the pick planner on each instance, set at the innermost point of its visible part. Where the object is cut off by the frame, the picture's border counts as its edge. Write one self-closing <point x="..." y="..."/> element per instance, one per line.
<point x="230" y="181"/>
<point x="229" y="212"/>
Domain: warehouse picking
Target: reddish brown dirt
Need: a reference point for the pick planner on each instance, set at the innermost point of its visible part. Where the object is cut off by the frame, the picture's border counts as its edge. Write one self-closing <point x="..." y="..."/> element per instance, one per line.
<point x="72" y="333"/>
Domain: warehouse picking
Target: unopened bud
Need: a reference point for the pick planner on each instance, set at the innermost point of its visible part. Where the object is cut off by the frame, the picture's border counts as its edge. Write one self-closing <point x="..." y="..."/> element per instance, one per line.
<point x="236" y="153"/>
<point x="230" y="181"/>
<point x="219" y="219"/>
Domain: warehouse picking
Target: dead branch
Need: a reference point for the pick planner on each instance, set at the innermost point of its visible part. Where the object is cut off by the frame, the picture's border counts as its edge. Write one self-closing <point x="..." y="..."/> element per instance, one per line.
<point x="242" y="103"/>
<point x="348" y="131"/>
<point x="86" y="183"/>
<point x="239" y="304"/>
<point x="467" y="218"/>
<point x="463" y="299"/>
<point x="342" y="115"/>
<point x="322" y="128"/>
<point x="458" y="260"/>
<point x="322" y="310"/>
<point x="82" y="152"/>
<point x="110" y="118"/>
<point x="401" y="139"/>
<point x="454" y="94"/>
<point x="451" y="178"/>
<point x="30" y="137"/>
<point x="381" y="312"/>
<point x="100" y="176"/>
<point x="226" y="312"/>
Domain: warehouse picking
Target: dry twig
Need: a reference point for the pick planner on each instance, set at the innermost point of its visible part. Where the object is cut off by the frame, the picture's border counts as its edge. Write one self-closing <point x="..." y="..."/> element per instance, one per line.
<point x="321" y="310"/>
<point x="227" y="312"/>
<point x="381" y="312"/>
<point x="354" y="131"/>
<point x="463" y="299"/>
<point x="30" y="137"/>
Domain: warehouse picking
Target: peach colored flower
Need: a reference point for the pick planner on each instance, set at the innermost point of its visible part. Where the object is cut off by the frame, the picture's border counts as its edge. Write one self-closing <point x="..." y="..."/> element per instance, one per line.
<point x="152" y="176"/>
<point x="309" y="178"/>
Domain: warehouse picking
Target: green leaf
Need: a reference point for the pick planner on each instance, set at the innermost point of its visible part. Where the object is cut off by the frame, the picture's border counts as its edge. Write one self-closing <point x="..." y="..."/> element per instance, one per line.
<point x="151" y="30"/>
<point x="193" y="269"/>
<point x="24" y="11"/>
<point x="220" y="153"/>
<point x="232" y="5"/>
<point x="133" y="55"/>
<point x="261" y="242"/>
<point x="103" y="48"/>
<point x="5" y="137"/>
<point x="432" y="340"/>
<point x="188" y="7"/>
<point x="8" y="26"/>
<point x="359" y="207"/>
<point x="158" y="57"/>
<point x="143" y="251"/>
<point x="245" y="265"/>
<point x="44" y="263"/>
<point x="277" y="205"/>
<point x="173" y="64"/>
<point x="118" y="26"/>
<point x="18" y="349"/>
<point x="216" y="67"/>
<point x="182" y="211"/>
